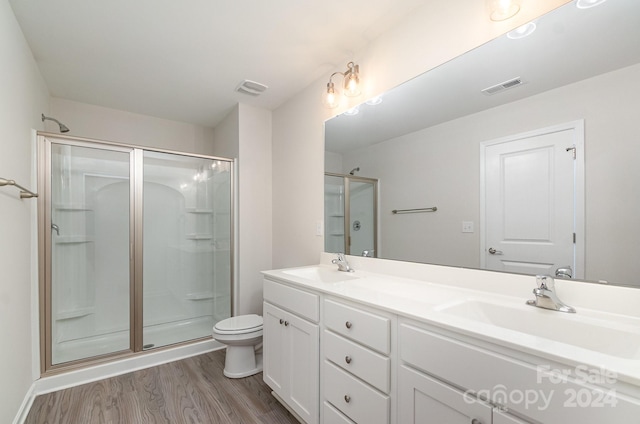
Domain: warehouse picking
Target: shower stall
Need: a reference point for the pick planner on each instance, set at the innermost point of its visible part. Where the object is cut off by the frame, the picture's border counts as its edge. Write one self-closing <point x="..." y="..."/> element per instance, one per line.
<point x="135" y="248"/>
<point x="350" y="214"/>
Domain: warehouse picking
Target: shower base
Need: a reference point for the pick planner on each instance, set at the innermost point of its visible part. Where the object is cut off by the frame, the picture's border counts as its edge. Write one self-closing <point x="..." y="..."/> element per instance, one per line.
<point x="157" y="335"/>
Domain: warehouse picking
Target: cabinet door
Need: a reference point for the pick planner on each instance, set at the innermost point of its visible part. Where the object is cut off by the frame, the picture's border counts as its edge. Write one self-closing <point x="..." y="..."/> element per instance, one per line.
<point x="500" y="417"/>
<point x="273" y="348"/>
<point x="424" y="400"/>
<point x="303" y="359"/>
<point x="291" y="361"/>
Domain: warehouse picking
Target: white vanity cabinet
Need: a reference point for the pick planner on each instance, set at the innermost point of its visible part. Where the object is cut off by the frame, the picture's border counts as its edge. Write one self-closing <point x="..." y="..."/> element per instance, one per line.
<point x="339" y="354"/>
<point x="291" y="347"/>
<point x="450" y="368"/>
<point x="357" y="367"/>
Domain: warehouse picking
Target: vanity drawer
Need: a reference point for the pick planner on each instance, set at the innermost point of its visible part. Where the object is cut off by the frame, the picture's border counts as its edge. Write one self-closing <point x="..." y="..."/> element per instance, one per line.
<point x="371" y="367"/>
<point x="354" y="398"/>
<point x="332" y="416"/>
<point x="300" y="302"/>
<point x="364" y="327"/>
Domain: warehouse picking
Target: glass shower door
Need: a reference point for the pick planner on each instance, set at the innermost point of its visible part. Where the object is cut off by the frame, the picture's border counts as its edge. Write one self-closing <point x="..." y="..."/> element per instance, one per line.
<point x="350" y="214"/>
<point x="89" y="212"/>
<point x="362" y="217"/>
<point x="187" y="247"/>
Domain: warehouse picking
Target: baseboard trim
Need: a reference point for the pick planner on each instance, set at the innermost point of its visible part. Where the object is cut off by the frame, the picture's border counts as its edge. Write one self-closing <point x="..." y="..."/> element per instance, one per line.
<point x="21" y="416"/>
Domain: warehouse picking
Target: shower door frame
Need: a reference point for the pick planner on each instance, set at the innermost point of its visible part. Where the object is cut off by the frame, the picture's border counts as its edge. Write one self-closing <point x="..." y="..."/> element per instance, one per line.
<point x="347" y="209"/>
<point x="136" y="195"/>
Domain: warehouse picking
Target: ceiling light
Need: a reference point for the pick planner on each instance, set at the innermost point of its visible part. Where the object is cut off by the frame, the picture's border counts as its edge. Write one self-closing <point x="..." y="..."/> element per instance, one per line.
<point x="499" y="10"/>
<point x="523" y="31"/>
<point x="353" y="111"/>
<point x="350" y="86"/>
<point x="586" y="4"/>
<point x="374" y="101"/>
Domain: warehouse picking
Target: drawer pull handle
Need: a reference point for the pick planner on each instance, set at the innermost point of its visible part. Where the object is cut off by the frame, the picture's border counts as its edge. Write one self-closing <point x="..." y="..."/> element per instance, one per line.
<point x="281" y="321"/>
<point x="348" y="324"/>
<point x="347" y="399"/>
<point x="347" y="359"/>
<point x="476" y="421"/>
<point x="286" y="323"/>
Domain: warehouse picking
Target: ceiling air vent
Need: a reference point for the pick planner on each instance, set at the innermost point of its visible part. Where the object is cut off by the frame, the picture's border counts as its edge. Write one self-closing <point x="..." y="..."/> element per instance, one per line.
<point x="514" y="82"/>
<point x="251" y="87"/>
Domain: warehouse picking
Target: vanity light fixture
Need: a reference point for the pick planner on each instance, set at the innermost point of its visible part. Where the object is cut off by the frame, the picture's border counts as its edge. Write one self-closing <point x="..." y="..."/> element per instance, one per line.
<point x="586" y="4"/>
<point x="350" y="86"/>
<point x="500" y="10"/>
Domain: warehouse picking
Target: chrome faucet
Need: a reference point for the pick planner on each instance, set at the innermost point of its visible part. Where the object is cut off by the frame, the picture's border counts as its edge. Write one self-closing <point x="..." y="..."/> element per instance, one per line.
<point x="546" y="295"/>
<point x="342" y="263"/>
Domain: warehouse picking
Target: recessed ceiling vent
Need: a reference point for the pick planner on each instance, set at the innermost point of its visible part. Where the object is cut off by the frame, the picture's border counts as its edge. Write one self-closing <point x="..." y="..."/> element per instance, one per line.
<point x="251" y="87"/>
<point x="514" y="82"/>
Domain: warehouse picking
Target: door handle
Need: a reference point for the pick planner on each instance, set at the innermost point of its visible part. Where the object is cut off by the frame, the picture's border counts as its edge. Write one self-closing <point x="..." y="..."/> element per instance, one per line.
<point x="494" y="251"/>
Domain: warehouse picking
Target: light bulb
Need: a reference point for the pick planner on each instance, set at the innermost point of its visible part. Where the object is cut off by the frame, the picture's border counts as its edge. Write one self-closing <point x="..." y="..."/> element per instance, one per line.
<point x="352" y="81"/>
<point x="331" y="96"/>
<point x="499" y="10"/>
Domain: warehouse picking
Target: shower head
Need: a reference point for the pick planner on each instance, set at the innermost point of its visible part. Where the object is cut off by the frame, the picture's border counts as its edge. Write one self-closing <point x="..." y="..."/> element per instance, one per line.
<point x="354" y="170"/>
<point x="63" y="127"/>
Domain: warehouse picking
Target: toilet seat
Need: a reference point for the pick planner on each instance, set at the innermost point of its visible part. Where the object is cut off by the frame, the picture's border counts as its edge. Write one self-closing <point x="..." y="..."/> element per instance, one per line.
<point x="241" y="324"/>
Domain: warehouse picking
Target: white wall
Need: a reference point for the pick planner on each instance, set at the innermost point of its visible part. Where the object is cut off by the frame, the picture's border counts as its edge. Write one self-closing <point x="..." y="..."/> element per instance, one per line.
<point x="101" y="123"/>
<point x="437" y="32"/>
<point x="24" y="97"/>
<point x="226" y="135"/>
<point x="440" y="166"/>
<point x="245" y="133"/>
<point x="254" y="204"/>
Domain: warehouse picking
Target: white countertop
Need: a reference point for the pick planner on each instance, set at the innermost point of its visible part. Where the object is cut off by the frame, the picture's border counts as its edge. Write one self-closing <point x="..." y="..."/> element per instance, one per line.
<point x="432" y="294"/>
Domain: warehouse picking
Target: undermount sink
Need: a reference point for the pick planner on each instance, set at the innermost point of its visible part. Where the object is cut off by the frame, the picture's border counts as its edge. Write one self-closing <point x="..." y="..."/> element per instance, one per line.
<point x="597" y="335"/>
<point x="321" y="274"/>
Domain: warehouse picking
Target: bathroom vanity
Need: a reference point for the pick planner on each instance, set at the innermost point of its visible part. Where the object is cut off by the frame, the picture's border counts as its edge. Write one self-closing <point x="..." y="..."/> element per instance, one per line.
<point x="409" y="343"/>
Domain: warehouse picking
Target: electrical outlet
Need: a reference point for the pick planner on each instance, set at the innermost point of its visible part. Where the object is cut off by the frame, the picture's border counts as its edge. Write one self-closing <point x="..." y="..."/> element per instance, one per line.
<point x="467" y="226"/>
<point x="319" y="228"/>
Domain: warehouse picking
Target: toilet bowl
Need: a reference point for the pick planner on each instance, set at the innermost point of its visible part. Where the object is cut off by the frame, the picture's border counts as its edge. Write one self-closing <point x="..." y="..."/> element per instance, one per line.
<point x="243" y="336"/>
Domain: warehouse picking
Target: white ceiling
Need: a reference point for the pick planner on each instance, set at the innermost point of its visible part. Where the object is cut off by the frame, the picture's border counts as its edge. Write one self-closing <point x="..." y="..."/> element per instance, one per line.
<point x="182" y="60"/>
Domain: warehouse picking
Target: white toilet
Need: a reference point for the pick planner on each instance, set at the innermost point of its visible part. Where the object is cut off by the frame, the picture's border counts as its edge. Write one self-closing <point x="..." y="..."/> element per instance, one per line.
<point x="243" y="336"/>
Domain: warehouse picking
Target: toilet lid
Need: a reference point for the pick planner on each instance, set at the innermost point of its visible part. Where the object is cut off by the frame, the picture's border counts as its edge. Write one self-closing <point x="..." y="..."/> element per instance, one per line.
<point x="239" y="324"/>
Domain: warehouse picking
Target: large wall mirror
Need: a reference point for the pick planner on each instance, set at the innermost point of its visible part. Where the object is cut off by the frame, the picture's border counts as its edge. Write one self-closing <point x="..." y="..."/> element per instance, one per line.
<point x="425" y="143"/>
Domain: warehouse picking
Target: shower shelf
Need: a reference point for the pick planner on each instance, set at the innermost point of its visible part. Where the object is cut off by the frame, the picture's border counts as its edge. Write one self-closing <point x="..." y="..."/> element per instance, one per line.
<point x="199" y="211"/>
<point x="72" y="207"/>
<point x="75" y="313"/>
<point x="206" y="295"/>
<point x="199" y="236"/>
<point x="72" y="239"/>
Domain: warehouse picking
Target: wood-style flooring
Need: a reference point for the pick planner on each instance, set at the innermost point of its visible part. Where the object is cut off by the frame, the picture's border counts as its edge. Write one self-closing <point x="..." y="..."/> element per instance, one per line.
<point x="191" y="390"/>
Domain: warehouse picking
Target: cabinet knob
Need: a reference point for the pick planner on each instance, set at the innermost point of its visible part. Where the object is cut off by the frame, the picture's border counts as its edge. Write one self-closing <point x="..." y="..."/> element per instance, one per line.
<point x="281" y="321"/>
<point x="286" y="323"/>
<point x="347" y="398"/>
<point x="348" y="324"/>
<point x="347" y="359"/>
